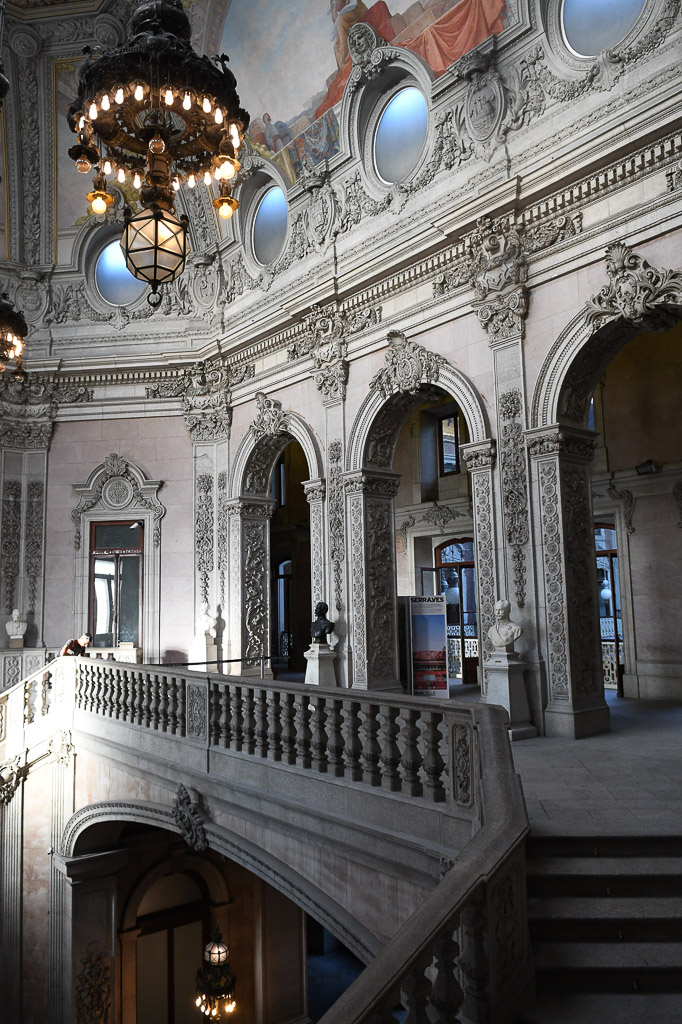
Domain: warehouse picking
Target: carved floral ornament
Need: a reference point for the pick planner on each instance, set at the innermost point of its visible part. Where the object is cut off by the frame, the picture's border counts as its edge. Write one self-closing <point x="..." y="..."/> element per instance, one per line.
<point x="271" y="420"/>
<point x="406" y="367"/>
<point x="185" y="813"/>
<point x="637" y="292"/>
<point x="117" y="486"/>
<point x="205" y="391"/>
<point x="28" y="408"/>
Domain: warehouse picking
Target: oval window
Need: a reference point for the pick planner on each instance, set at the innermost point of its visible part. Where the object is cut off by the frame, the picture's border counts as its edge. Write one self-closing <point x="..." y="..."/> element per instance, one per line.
<point x="270" y="226"/>
<point x="591" y="26"/>
<point x="114" y="281"/>
<point x="400" y="135"/>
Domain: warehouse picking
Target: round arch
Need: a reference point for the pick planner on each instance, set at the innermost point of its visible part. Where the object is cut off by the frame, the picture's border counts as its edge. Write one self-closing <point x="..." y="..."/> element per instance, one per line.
<point x="260" y="448"/>
<point x="279" y="875"/>
<point x="449" y="380"/>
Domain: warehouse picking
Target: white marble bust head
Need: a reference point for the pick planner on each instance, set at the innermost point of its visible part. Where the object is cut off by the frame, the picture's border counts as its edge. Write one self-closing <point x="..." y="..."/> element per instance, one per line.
<point x="504" y="631"/>
<point x="16" y="627"/>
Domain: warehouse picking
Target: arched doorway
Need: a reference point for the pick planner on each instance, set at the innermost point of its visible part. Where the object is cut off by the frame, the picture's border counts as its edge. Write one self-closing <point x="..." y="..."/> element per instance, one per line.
<point x="605" y="402"/>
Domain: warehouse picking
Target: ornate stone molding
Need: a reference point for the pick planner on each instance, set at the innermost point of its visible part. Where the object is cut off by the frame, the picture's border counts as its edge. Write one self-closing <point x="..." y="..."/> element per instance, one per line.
<point x="33" y="539"/>
<point x="118" y="486"/>
<point x="60" y="746"/>
<point x="314" y="490"/>
<point x="628" y="501"/>
<point x="222" y="524"/>
<point x="369" y="54"/>
<point x="337" y="532"/>
<point x="10" y="777"/>
<point x="559" y="442"/>
<point x="205" y="390"/>
<point x="93" y="990"/>
<point x="185" y="814"/>
<point x="321" y="215"/>
<point x="406" y="366"/>
<point x="438" y="516"/>
<point x="204" y="530"/>
<point x="197" y="711"/>
<point x="372" y="483"/>
<point x="10" y="545"/>
<point x="357" y="203"/>
<point x="271" y="420"/>
<point x="557" y="640"/>
<point x="255" y="576"/>
<point x="28" y="408"/>
<point x="514" y="487"/>
<point x="480" y="455"/>
<point x="637" y="292"/>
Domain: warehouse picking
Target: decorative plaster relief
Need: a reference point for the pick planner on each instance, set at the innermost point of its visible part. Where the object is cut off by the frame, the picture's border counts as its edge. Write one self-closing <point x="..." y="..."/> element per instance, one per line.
<point x="205" y="390"/>
<point x="628" y="500"/>
<point x="637" y="292"/>
<point x="114" y="486"/>
<point x="185" y="814"/>
<point x="337" y="539"/>
<point x="552" y="546"/>
<point x="10" y="777"/>
<point x="197" y="711"/>
<point x="93" y="990"/>
<point x="223" y="526"/>
<point x="10" y="546"/>
<point x="271" y="420"/>
<point x="406" y="366"/>
<point x="204" y="531"/>
<point x="514" y="487"/>
<point x="255" y="576"/>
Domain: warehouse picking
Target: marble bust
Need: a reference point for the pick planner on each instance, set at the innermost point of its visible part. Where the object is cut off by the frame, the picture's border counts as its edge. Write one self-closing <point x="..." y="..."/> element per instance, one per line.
<point x="206" y="623"/>
<point x="504" y="632"/>
<point x="15" y="627"/>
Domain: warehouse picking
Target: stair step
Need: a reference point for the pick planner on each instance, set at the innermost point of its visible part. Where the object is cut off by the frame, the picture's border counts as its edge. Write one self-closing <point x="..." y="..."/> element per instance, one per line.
<point x="540" y="866"/>
<point x="582" y="907"/>
<point x="603" y="1008"/>
<point x="609" y="979"/>
<point x="604" y="846"/>
<point x="616" y="955"/>
<point x="579" y="877"/>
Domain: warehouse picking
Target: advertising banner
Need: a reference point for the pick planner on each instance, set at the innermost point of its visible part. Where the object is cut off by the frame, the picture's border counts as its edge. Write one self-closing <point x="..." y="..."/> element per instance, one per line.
<point x="428" y="632"/>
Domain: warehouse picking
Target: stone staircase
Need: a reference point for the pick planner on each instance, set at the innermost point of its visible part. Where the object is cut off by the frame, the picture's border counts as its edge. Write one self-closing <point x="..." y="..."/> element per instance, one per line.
<point x="605" y="919"/>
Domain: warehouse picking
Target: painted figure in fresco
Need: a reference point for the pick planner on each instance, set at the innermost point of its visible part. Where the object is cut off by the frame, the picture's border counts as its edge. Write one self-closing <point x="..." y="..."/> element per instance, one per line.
<point x="344" y="15"/>
<point x="272" y="137"/>
<point x="321" y="627"/>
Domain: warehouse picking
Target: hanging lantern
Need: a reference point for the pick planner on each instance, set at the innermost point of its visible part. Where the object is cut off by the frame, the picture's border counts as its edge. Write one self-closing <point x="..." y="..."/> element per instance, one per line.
<point x="13" y="330"/>
<point x="161" y="115"/>
<point x="215" y="984"/>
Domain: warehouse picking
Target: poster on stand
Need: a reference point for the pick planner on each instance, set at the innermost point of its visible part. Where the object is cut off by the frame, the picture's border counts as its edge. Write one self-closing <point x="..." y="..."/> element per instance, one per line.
<point x="428" y="634"/>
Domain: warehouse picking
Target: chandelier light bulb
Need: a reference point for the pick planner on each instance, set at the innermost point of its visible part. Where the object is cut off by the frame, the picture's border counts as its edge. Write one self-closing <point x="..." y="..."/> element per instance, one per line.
<point x="105" y="101"/>
<point x="176" y="184"/>
<point x="92" y="112"/>
<point x="107" y="167"/>
<point x="169" y="96"/>
<point x="118" y="95"/>
<point x="137" y="180"/>
<point x="121" y="175"/>
<point x="206" y="105"/>
<point x="98" y="205"/>
<point x="191" y="181"/>
<point x="207" y="178"/>
<point x="187" y="102"/>
<point x="225" y="211"/>
<point x="139" y="92"/>
<point x="83" y="164"/>
<point x="218" y="115"/>
<point x="81" y="122"/>
<point x="234" y="134"/>
<point x="157" y="145"/>
<point x="227" y="170"/>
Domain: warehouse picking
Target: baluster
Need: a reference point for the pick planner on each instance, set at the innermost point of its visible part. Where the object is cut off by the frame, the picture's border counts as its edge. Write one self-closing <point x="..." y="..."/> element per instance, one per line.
<point x="213" y="713"/>
<point x="335" y="744"/>
<point x="288" y="735"/>
<point x="99" y="689"/>
<point x="146" y="700"/>
<point x="125" y="696"/>
<point x="172" y="705"/>
<point x="303" y="733"/>
<point x="163" y="703"/>
<point x="415" y="991"/>
<point x="411" y="759"/>
<point x="136" y="698"/>
<point x="237" y="719"/>
<point x="116" y="696"/>
<point x="181" y="724"/>
<point x="433" y="762"/>
<point x="261" y="697"/>
<point x="352" y="745"/>
<point x="274" y="726"/>
<point x="319" y="736"/>
<point x="248" y="721"/>
<point x="95" y="685"/>
<point x="390" y="752"/>
<point x="473" y="963"/>
<point x="28" y="703"/>
<point x="109" y="691"/>
<point x="154" y="702"/>
<point x="224" y="718"/>
<point x="446" y="993"/>
<point x="370" y="745"/>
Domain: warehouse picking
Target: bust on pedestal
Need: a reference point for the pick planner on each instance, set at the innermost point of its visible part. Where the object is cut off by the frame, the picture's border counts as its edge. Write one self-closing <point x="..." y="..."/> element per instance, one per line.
<point x="15" y="630"/>
<point x="203" y="650"/>
<point x="504" y="668"/>
<point x="320" y="656"/>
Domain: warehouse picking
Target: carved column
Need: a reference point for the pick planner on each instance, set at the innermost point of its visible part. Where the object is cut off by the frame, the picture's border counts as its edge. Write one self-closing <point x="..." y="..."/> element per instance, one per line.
<point x="315" y="493"/>
<point x="11" y="873"/>
<point x="369" y="502"/>
<point x="480" y="459"/>
<point x="249" y="625"/>
<point x="564" y="545"/>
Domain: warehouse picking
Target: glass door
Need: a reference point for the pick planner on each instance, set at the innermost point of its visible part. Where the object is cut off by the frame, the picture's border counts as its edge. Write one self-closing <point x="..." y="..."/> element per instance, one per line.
<point x="455" y="576"/>
<point x="610" y="611"/>
<point x="116" y="551"/>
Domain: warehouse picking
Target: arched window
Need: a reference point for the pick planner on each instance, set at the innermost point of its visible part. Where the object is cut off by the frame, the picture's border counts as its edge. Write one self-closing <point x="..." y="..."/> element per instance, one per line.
<point x="114" y="281"/>
<point x="270" y="226"/>
<point x="590" y="26"/>
<point x="400" y="135"/>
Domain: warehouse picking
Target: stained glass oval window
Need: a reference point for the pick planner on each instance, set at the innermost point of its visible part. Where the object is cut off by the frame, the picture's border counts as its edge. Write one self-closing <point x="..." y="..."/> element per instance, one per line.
<point x="591" y="26"/>
<point x="400" y="135"/>
<point x="114" y="281"/>
<point x="270" y="226"/>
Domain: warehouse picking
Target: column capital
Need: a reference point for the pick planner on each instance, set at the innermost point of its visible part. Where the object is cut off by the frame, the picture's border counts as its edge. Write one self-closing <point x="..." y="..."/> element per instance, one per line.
<point x="314" y="490"/>
<point x="571" y="442"/>
<point x="480" y="454"/>
<point x="251" y="508"/>
<point x="375" y="482"/>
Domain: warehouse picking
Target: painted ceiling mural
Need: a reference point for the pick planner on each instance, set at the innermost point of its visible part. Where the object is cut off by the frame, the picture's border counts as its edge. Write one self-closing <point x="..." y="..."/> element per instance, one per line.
<point x="291" y="62"/>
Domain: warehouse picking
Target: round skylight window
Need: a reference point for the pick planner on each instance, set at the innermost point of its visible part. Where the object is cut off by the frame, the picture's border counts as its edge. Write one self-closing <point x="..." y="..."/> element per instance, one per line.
<point x="270" y="226"/>
<point x="591" y="26"/>
<point x="114" y="281"/>
<point x="401" y="134"/>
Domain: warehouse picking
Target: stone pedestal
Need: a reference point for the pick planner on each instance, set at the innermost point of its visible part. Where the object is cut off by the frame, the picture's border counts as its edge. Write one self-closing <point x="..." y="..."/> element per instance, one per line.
<point x="320" y="668"/>
<point x="506" y="687"/>
<point x="204" y="651"/>
<point x="15" y="643"/>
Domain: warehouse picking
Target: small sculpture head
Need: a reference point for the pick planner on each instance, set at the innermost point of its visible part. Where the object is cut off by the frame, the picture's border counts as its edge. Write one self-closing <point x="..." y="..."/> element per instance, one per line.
<point x="321" y="609"/>
<point x="502" y="610"/>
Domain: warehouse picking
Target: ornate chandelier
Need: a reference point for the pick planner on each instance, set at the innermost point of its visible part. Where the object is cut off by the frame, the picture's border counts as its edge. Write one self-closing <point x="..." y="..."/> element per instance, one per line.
<point x="13" y="330"/>
<point x="154" y="112"/>
<point x="215" y="984"/>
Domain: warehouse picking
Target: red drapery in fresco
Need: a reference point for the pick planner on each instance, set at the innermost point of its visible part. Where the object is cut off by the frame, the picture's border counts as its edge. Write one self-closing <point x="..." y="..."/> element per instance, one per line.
<point x="441" y="44"/>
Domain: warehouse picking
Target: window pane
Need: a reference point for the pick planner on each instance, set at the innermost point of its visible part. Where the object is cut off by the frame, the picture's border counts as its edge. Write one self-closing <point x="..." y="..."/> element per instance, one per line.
<point x="129" y="599"/>
<point x="114" y="281"/>
<point x="118" y="536"/>
<point x="604" y="538"/>
<point x="400" y="135"/>
<point x="448" y="438"/>
<point x="270" y="226"/>
<point x="103" y="602"/>
<point x="591" y="26"/>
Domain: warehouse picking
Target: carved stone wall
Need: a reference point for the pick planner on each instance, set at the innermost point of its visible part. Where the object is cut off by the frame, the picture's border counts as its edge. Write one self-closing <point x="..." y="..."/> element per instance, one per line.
<point x="249" y="583"/>
<point x="480" y="459"/>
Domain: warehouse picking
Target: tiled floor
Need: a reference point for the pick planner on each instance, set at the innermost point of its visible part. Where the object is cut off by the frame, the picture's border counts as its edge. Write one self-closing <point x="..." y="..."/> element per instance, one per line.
<point x="628" y="781"/>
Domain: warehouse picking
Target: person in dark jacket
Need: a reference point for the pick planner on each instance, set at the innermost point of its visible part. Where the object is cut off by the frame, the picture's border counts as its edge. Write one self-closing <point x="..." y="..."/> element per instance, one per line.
<point x="78" y="646"/>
